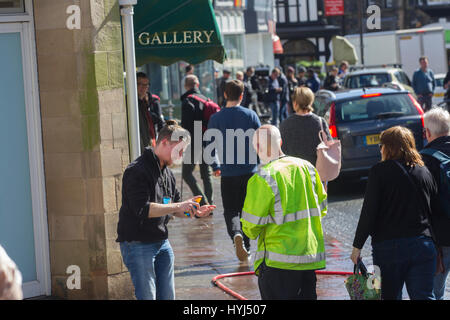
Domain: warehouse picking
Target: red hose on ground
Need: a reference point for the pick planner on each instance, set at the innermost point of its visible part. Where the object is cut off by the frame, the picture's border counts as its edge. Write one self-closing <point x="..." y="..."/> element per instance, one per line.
<point x="215" y="280"/>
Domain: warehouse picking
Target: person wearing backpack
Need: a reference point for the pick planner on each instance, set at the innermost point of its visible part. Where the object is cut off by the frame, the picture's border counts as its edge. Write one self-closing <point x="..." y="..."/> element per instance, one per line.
<point x="436" y="156"/>
<point x="196" y="107"/>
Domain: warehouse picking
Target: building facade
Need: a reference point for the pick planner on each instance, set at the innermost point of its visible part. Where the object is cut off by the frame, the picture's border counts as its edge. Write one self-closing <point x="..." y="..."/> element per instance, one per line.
<point x="259" y="33"/>
<point x="64" y="127"/>
<point x="304" y="31"/>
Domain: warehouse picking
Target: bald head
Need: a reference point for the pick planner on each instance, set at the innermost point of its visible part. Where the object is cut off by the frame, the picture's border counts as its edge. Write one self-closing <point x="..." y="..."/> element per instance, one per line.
<point x="267" y="143"/>
<point x="191" y="82"/>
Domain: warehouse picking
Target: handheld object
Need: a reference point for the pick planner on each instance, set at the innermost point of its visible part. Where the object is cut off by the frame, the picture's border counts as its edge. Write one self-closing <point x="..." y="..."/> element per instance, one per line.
<point x="187" y="214"/>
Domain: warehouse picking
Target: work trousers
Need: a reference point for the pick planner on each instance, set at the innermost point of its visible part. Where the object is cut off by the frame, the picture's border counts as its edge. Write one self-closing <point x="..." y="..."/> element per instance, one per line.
<point x="279" y="284"/>
<point x="205" y="174"/>
<point x="234" y="190"/>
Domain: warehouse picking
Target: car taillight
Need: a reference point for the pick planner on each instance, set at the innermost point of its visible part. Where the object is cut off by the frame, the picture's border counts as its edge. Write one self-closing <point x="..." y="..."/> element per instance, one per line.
<point x="332" y="122"/>
<point x="370" y="95"/>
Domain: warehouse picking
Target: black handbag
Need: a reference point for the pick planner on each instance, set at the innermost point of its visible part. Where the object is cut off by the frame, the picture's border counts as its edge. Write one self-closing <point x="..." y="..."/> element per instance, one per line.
<point x="440" y="268"/>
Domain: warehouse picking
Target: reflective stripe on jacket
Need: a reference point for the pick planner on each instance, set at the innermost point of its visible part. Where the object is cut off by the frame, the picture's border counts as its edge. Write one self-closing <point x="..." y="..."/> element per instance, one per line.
<point x="284" y="207"/>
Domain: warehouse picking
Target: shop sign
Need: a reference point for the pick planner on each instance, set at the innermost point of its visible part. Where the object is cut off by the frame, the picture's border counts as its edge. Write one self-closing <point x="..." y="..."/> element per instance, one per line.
<point x="334" y="8"/>
<point x="175" y="38"/>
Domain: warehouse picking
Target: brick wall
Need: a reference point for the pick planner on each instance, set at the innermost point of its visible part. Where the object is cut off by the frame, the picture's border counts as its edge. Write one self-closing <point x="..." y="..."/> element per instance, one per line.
<point x="85" y="143"/>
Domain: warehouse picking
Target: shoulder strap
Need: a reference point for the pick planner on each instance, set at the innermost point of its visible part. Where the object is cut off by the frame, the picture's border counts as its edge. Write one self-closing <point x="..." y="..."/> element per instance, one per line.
<point x="197" y="98"/>
<point x="440" y="156"/>
<point x="421" y="197"/>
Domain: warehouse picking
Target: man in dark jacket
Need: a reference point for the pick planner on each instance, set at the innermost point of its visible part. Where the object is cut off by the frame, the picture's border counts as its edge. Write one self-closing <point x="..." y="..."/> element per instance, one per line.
<point x="221" y="87"/>
<point x="437" y="130"/>
<point x="292" y="84"/>
<point x="331" y="81"/>
<point x="273" y="96"/>
<point x="247" y="90"/>
<point x="284" y="95"/>
<point x="192" y="111"/>
<point x="150" y="113"/>
<point x="313" y="81"/>
<point x="149" y="199"/>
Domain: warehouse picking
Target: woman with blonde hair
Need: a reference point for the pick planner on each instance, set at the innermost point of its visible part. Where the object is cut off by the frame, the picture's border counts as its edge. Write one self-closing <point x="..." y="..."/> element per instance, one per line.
<point x="400" y="197"/>
<point x="300" y="131"/>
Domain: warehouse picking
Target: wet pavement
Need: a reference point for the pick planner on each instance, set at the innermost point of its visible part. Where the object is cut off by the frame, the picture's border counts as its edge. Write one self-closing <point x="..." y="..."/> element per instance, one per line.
<point x="204" y="250"/>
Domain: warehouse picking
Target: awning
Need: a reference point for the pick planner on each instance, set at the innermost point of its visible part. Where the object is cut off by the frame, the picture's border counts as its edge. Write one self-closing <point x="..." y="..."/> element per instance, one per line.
<point x="167" y="31"/>
<point x="277" y="46"/>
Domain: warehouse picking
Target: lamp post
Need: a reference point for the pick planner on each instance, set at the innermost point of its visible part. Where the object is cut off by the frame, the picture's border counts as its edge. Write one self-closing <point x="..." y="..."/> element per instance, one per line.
<point x="361" y="27"/>
<point x="127" y="12"/>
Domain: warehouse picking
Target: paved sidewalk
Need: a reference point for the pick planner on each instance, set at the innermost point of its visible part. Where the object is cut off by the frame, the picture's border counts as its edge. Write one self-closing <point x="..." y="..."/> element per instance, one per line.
<point x="204" y="250"/>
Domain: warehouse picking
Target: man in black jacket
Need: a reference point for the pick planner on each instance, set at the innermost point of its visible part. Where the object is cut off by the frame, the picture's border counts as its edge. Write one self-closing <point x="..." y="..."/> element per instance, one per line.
<point x="437" y="130"/>
<point x="149" y="199"/>
<point x="192" y="111"/>
<point x="151" y="120"/>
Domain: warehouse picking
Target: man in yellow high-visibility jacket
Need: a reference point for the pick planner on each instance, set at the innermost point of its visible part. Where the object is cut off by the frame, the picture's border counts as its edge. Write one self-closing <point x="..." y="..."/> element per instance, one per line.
<point x="284" y="207"/>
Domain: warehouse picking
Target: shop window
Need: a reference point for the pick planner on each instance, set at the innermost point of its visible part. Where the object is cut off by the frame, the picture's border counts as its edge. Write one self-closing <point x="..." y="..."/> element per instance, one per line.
<point x="11" y="6"/>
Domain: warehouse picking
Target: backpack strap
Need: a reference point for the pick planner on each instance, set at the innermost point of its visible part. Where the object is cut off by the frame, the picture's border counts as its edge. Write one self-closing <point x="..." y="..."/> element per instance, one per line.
<point x="438" y="155"/>
<point x="197" y="98"/>
<point x="154" y="96"/>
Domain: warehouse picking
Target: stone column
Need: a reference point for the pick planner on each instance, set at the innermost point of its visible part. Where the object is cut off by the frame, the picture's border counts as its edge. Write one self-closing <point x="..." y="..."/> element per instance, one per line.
<point x="85" y="143"/>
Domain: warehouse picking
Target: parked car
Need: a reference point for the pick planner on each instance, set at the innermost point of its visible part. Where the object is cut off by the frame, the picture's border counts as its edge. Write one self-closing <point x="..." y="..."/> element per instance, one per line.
<point x="439" y="92"/>
<point x="376" y="77"/>
<point x="358" y="116"/>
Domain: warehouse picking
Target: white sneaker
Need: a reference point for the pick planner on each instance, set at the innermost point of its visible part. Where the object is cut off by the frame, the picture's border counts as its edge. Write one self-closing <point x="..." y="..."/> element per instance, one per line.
<point x="241" y="252"/>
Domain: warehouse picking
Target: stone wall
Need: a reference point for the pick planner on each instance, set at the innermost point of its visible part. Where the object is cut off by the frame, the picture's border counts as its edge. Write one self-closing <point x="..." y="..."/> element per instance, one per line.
<point x="85" y="140"/>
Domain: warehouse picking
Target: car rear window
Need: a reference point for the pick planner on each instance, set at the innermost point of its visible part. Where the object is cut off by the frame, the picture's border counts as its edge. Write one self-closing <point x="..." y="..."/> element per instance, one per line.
<point x="384" y="106"/>
<point x="367" y="80"/>
<point x="439" y="82"/>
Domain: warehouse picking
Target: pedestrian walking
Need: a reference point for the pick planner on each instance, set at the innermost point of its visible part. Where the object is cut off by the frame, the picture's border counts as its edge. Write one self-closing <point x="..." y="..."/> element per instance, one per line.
<point x="221" y="87"/>
<point x="292" y="84"/>
<point x="149" y="199"/>
<point x="189" y="70"/>
<point x="437" y="131"/>
<point x="332" y="81"/>
<point x="10" y="278"/>
<point x="343" y="70"/>
<point x="284" y="95"/>
<point x="423" y="83"/>
<point x="400" y="197"/>
<point x="151" y="119"/>
<point x="447" y="87"/>
<point x="237" y="163"/>
<point x="273" y="96"/>
<point x="300" y="132"/>
<point x="313" y="81"/>
<point x="247" y="89"/>
<point x="301" y="76"/>
<point x="284" y="207"/>
<point x="191" y="111"/>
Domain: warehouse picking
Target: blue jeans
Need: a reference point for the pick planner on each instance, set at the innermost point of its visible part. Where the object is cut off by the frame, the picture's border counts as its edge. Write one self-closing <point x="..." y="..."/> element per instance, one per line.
<point x="275" y="107"/>
<point x="151" y="269"/>
<point x="410" y="261"/>
<point x="283" y="111"/>
<point x="439" y="279"/>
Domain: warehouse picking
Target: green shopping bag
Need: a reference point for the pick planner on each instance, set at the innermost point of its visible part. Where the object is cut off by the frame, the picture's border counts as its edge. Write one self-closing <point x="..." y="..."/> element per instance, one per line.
<point x="363" y="286"/>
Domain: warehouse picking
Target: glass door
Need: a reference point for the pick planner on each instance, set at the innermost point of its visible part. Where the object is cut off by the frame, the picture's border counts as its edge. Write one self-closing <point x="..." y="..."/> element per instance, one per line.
<point x="23" y="223"/>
